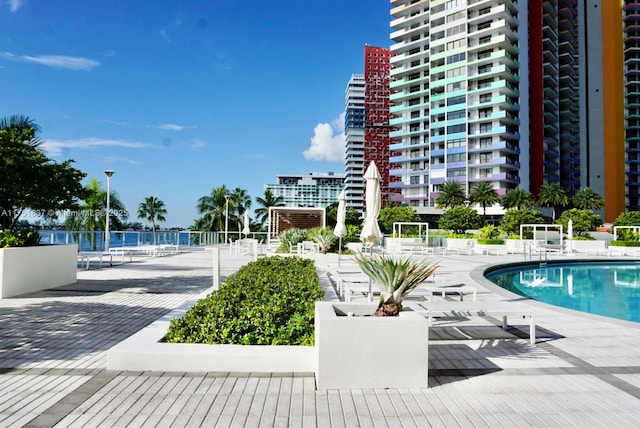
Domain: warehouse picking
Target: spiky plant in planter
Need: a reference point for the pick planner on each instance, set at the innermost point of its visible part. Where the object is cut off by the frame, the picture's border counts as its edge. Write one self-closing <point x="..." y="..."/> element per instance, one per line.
<point x="396" y="277"/>
<point x="324" y="237"/>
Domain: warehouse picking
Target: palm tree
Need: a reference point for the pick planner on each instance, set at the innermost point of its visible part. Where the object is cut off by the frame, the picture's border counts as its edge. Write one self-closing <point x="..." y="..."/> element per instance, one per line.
<point x="587" y="199"/>
<point x="269" y="200"/>
<point x="24" y="126"/>
<point x="517" y="199"/>
<point x="451" y="195"/>
<point x="152" y="209"/>
<point x="213" y="208"/>
<point x="91" y="215"/>
<point x="483" y="194"/>
<point x="241" y="202"/>
<point x="554" y="196"/>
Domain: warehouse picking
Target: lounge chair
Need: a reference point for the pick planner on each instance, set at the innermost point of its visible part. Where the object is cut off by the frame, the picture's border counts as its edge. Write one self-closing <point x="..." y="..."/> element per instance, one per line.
<point x="433" y="309"/>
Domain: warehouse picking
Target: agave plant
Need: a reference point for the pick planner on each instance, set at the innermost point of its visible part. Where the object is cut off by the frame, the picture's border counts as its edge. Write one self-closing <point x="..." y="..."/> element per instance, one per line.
<point x="396" y="277"/>
<point x="324" y="237"/>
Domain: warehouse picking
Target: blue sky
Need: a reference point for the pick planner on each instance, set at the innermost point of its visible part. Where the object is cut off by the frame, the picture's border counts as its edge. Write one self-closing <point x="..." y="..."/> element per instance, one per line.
<point x="179" y="97"/>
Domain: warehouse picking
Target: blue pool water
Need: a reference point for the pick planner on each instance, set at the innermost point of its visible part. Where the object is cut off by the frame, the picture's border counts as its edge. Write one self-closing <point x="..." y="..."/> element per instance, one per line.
<point x="611" y="289"/>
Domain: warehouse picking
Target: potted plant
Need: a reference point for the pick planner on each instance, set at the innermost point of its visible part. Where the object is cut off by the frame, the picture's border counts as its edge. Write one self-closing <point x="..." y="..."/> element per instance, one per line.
<point x="347" y="334"/>
<point x="396" y="277"/>
<point x="324" y="237"/>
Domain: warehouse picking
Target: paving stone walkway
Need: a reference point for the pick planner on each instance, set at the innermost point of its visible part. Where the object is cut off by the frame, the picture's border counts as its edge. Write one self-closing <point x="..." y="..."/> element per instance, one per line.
<point x="583" y="372"/>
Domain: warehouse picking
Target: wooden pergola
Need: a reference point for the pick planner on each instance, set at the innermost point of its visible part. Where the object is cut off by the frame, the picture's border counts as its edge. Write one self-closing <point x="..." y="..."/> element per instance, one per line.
<point x="283" y="218"/>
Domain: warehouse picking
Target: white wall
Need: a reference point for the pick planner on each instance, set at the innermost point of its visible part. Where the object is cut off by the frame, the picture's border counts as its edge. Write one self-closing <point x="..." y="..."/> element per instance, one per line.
<point x="29" y="269"/>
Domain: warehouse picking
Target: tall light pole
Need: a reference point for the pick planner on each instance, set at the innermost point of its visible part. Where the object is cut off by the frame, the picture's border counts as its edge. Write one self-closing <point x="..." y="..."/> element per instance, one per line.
<point x="226" y="218"/>
<point x="108" y="173"/>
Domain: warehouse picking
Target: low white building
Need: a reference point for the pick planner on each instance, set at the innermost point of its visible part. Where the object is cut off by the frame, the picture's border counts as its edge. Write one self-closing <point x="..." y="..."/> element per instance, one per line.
<point x="315" y="189"/>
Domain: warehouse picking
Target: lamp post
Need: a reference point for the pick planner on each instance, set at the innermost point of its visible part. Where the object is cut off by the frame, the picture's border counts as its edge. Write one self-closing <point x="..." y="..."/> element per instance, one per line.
<point x="226" y="218"/>
<point x="108" y="173"/>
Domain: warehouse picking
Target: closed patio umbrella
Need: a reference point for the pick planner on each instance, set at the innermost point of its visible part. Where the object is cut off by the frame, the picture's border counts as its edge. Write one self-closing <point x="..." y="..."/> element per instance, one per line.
<point x="371" y="234"/>
<point x="247" y="222"/>
<point x="570" y="235"/>
<point x="341" y="228"/>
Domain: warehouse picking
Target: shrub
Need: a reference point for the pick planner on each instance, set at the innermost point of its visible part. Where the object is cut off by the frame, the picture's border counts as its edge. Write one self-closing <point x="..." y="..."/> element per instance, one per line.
<point x="267" y="302"/>
<point x="19" y="238"/>
<point x="583" y="221"/>
<point x="460" y="219"/>
<point x="514" y="218"/>
<point x="289" y="239"/>
<point x="620" y="243"/>
<point x="488" y="232"/>
<point x="491" y="241"/>
<point x="323" y="236"/>
<point x="631" y="218"/>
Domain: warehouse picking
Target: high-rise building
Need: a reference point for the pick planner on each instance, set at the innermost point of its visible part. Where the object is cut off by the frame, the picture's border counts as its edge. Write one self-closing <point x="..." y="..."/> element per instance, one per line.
<point x="315" y="189"/>
<point x="516" y="93"/>
<point x="377" y="129"/>
<point x="456" y="96"/>
<point x="632" y="101"/>
<point x="354" y="142"/>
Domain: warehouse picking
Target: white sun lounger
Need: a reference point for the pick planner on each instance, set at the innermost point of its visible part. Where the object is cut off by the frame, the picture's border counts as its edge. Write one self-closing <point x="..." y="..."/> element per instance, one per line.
<point x="479" y="309"/>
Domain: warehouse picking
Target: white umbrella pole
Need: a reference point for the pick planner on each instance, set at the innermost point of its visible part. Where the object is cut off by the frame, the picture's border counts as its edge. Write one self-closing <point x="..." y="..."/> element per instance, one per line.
<point x="339" y="249"/>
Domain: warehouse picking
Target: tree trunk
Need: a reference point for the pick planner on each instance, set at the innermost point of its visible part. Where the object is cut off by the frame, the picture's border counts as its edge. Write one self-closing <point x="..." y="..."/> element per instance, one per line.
<point x="390" y="308"/>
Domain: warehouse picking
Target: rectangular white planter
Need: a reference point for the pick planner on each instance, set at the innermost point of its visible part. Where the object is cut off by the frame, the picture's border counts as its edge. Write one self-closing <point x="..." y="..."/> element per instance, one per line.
<point x="144" y="351"/>
<point x="356" y="352"/>
<point x="28" y="269"/>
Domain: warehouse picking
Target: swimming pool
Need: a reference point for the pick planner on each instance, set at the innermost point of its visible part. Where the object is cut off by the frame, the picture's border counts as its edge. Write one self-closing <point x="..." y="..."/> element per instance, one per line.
<point x="611" y="289"/>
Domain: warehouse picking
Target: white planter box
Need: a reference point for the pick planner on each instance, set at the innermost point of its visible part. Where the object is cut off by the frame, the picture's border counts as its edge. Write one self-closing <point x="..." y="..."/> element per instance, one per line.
<point x="28" y="269"/>
<point x="144" y="351"/>
<point x="356" y="352"/>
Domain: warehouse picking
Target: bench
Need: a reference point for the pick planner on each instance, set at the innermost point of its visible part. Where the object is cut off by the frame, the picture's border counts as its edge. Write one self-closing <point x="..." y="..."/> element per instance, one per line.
<point x="479" y="309"/>
<point x="85" y="258"/>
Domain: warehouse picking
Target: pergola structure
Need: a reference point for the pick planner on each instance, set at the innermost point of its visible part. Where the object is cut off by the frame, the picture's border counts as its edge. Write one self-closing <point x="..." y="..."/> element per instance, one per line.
<point x="283" y="218"/>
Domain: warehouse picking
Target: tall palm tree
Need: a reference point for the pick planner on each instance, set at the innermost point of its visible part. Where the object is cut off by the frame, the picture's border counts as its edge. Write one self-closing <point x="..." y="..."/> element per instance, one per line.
<point x="212" y="209"/>
<point x="91" y="215"/>
<point x="269" y="200"/>
<point x="451" y="195"/>
<point x="554" y="196"/>
<point x="152" y="209"/>
<point x="483" y="194"/>
<point x="241" y="202"/>
<point x="517" y="199"/>
<point x="587" y="199"/>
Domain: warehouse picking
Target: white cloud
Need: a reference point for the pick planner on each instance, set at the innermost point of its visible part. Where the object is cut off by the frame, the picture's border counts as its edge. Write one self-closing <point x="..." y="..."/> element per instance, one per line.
<point x="55" y="61"/>
<point x="164" y="35"/>
<point x="197" y="144"/>
<point x="14" y="5"/>
<point x="57" y="147"/>
<point x="171" y="127"/>
<point x="327" y="143"/>
<point x="113" y="159"/>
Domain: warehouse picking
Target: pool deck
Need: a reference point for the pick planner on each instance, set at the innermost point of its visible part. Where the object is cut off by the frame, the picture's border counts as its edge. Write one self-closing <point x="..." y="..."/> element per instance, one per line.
<point x="584" y="370"/>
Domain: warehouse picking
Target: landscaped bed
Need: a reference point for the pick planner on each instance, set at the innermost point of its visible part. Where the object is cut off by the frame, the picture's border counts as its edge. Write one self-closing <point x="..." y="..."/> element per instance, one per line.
<point x="267" y="302"/>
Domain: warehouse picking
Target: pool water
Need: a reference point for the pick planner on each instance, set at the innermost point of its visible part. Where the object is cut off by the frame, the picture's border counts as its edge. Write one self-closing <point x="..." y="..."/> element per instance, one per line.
<point x="611" y="290"/>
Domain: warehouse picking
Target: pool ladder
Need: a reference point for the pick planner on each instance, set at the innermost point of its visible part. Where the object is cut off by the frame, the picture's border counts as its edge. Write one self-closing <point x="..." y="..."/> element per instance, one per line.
<point x="529" y="251"/>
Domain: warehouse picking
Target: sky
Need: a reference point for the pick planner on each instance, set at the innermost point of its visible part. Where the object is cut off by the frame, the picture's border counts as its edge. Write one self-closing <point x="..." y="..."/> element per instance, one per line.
<point x="181" y="97"/>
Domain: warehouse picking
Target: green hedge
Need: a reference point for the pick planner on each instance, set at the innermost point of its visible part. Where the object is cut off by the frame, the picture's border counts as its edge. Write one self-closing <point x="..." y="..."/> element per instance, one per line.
<point x="624" y="243"/>
<point x="267" y="302"/>
<point x="491" y="241"/>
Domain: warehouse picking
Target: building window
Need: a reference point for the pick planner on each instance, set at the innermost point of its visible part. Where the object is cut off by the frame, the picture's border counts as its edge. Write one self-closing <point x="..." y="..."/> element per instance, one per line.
<point x="456" y="172"/>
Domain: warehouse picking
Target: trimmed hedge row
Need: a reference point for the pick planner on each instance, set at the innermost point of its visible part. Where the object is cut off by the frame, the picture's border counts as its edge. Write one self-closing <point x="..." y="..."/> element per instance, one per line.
<point x="267" y="302"/>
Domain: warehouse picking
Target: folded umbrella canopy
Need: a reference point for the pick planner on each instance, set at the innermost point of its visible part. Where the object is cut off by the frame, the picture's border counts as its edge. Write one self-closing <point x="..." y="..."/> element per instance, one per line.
<point x="341" y="229"/>
<point x="371" y="234"/>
